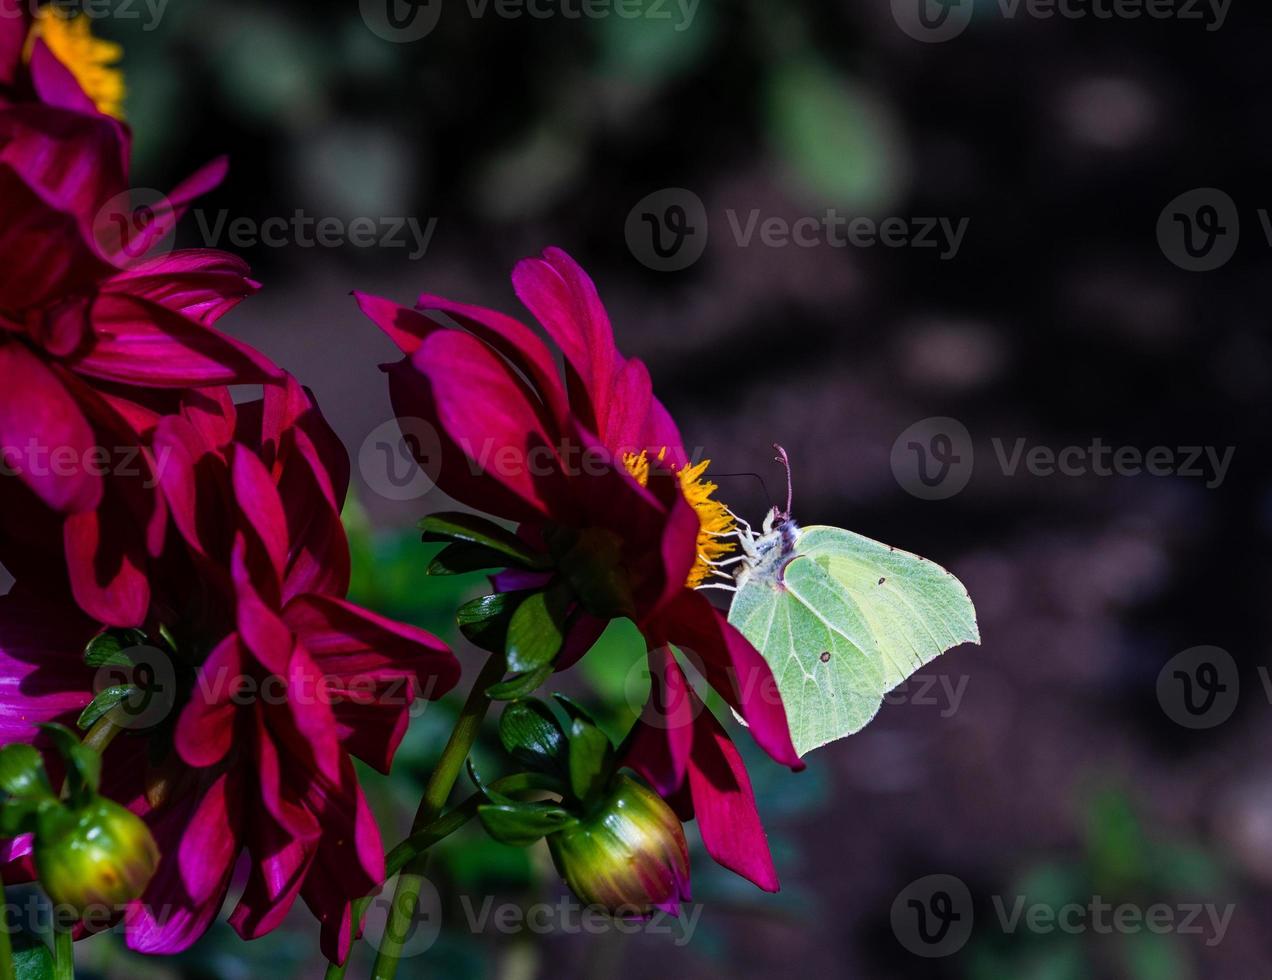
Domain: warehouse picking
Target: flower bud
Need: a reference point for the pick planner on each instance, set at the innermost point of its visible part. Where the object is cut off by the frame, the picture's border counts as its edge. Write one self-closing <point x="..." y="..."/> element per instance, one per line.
<point x="101" y="855"/>
<point x="628" y="856"/>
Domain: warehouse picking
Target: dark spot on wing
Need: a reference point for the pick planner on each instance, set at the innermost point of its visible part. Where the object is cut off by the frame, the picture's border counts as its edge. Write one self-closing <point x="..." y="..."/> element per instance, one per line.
<point x="825" y="657"/>
<point x="882" y="580"/>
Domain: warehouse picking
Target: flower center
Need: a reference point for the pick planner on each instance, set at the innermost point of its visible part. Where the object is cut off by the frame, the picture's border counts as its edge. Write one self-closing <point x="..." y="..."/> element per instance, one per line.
<point x="715" y="522"/>
<point x="90" y="59"/>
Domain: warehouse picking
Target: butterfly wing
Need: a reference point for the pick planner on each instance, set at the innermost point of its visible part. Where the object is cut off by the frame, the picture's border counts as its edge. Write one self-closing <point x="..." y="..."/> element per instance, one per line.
<point x="913" y="608"/>
<point x="818" y="643"/>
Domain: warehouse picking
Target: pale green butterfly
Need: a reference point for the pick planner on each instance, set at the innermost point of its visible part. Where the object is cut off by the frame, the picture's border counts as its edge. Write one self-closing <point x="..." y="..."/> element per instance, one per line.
<point x="841" y="619"/>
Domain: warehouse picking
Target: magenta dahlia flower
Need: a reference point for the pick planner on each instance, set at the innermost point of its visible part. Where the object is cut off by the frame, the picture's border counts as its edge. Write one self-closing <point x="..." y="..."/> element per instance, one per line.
<point x="593" y="470"/>
<point x="281" y="681"/>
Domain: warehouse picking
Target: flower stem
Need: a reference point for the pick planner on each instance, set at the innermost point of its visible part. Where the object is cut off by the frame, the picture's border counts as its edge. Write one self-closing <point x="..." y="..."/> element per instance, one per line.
<point x="63" y="955"/>
<point x="406" y="895"/>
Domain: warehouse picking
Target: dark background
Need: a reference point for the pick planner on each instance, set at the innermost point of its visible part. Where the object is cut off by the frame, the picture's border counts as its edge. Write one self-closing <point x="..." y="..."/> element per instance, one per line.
<point x="1062" y="775"/>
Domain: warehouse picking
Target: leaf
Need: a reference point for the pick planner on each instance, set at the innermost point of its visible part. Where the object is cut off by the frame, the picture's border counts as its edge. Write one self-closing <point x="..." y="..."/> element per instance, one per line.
<point x="841" y="621"/>
<point x="104" y="703"/>
<point x="591" y="760"/>
<point x="521" y="824"/>
<point x="84" y="766"/>
<point x="531" y="734"/>
<point x="536" y="631"/>
<point x="471" y="529"/>
<point x="109" y="648"/>
<point x="519" y="686"/>
<point x="32" y="959"/>
<point x="484" y="621"/>
<point x="461" y="558"/>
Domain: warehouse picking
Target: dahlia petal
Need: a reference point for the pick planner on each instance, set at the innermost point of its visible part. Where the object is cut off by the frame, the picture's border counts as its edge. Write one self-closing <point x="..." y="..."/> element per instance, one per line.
<point x="106" y="564"/>
<point x="207" y="851"/>
<point x="660" y="743"/>
<point x="405" y="327"/>
<point x="205" y="728"/>
<point x="200" y="284"/>
<point x="54" y="83"/>
<point x="40" y="424"/>
<point x="627" y="425"/>
<point x="502" y="433"/>
<point x="732" y="666"/>
<point x="14" y="24"/>
<point x="196" y="493"/>
<point x="725" y="806"/>
<point x="259" y="502"/>
<point x="280" y="863"/>
<point x="139" y="341"/>
<point x="564" y="299"/>
<point x="662" y="433"/>
<point x="42" y="672"/>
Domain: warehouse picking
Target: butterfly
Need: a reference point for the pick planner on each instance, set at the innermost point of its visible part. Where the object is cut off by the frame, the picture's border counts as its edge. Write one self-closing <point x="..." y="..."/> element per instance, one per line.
<point x="841" y="619"/>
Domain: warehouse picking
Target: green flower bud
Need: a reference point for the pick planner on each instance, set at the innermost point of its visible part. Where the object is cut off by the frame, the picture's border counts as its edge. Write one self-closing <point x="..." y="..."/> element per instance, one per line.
<point x="101" y="855"/>
<point x="628" y="856"/>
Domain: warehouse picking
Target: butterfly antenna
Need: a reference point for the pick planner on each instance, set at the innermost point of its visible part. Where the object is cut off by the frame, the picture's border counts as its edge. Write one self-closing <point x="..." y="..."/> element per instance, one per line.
<point x="756" y="476"/>
<point x="785" y="460"/>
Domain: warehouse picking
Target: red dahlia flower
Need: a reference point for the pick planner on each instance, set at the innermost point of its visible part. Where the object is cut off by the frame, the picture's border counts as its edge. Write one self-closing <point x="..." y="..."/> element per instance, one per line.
<point x="280" y="680"/>
<point x="95" y="336"/>
<point x="593" y="470"/>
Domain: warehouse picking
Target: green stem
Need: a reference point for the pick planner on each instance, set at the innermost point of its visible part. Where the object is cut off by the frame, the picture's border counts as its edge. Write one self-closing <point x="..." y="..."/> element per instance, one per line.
<point x="407" y="894"/>
<point x="6" y="944"/>
<point x="63" y="955"/>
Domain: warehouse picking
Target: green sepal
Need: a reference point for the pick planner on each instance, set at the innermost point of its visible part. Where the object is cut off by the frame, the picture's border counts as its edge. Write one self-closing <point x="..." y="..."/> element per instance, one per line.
<point x="83" y="765"/>
<point x="471" y="529"/>
<point x="460" y="558"/>
<point x="493" y="795"/>
<point x="572" y="708"/>
<point x="109" y="647"/>
<point x="484" y="621"/>
<point x="591" y="760"/>
<point x="22" y="772"/>
<point x="519" y="685"/>
<point x="536" y="631"/>
<point x="521" y="824"/>
<point x="32" y="958"/>
<point x="531" y="734"/>
<point x="20" y="816"/>
<point x="105" y="702"/>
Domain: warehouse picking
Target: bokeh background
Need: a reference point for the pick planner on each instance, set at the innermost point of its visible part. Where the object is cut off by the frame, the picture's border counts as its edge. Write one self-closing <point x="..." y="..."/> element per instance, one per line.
<point x="1061" y="771"/>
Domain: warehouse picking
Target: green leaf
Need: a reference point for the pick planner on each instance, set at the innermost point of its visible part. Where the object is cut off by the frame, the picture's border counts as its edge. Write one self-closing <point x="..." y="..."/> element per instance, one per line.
<point x="572" y="708"/>
<point x="22" y="772"/>
<point x="521" y="824"/>
<point x="491" y="794"/>
<point x="536" y="631"/>
<point x="461" y="558"/>
<point x="484" y="621"/>
<point x="109" y="648"/>
<point x="841" y="621"/>
<point x="519" y="685"/>
<point x="591" y="760"/>
<point x="19" y="816"/>
<point x="104" y="703"/>
<point x="83" y="765"/>
<point x="531" y="734"/>
<point x="471" y="529"/>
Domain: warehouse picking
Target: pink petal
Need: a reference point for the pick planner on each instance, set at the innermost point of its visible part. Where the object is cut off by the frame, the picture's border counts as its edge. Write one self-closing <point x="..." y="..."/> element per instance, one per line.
<point x="206" y="726"/>
<point x="40" y="424"/>
<point x="55" y="84"/>
<point x="725" y="806"/>
<point x="42" y="672"/>
<point x="199" y="284"/>
<point x="261" y="508"/>
<point x="207" y="851"/>
<point x="662" y="740"/>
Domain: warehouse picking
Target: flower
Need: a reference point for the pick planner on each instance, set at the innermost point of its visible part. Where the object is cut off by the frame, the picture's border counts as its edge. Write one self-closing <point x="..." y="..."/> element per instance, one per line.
<point x="97" y="337"/>
<point x="628" y="856"/>
<point x="98" y="856"/>
<point x="278" y="681"/>
<point x="593" y="470"/>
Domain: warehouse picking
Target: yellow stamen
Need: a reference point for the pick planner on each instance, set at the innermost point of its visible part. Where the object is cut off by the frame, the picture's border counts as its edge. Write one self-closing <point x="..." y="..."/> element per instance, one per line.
<point x="714" y="518"/>
<point x="90" y="59"/>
